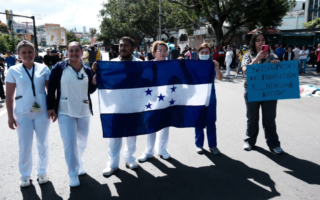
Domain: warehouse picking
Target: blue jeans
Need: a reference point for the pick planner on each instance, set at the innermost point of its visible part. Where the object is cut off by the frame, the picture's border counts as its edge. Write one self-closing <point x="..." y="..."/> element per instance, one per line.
<point x="210" y="123"/>
<point x="303" y="62"/>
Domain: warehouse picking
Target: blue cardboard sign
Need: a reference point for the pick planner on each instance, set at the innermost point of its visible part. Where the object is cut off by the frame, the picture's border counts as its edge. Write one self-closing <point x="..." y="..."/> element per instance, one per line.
<point x="269" y="81"/>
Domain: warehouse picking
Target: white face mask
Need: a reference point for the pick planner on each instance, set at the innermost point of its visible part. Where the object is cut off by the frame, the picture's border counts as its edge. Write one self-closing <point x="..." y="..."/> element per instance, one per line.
<point x="204" y="57"/>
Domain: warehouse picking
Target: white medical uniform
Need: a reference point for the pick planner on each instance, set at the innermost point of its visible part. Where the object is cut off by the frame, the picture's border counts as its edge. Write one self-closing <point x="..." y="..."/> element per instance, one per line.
<point x="115" y="144"/>
<point x="228" y="61"/>
<point x="27" y="121"/>
<point x="162" y="138"/>
<point x="74" y="118"/>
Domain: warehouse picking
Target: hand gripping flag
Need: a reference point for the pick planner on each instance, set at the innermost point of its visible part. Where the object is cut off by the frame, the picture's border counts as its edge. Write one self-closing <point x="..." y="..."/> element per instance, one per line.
<point x="137" y="98"/>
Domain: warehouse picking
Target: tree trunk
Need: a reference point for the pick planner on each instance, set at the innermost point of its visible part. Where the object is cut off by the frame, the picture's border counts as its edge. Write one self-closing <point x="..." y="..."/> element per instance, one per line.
<point x="219" y="35"/>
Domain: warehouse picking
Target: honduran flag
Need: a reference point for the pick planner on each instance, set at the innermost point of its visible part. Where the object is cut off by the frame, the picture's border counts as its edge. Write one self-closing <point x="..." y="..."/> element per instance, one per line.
<point x="137" y="98"/>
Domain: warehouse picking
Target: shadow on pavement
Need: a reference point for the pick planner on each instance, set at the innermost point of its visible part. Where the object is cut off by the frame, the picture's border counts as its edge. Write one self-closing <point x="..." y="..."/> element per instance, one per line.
<point x="29" y="193"/>
<point x="48" y="192"/>
<point x="89" y="189"/>
<point x="226" y="179"/>
<point x="304" y="170"/>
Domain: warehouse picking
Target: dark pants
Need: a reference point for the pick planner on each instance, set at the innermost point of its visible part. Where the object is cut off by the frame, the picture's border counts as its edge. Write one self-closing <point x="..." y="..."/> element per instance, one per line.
<point x="269" y="109"/>
<point x="281" y="58"/>
<point x="2" y="95"/>
<point x="318" y="67"/>
<point x="221" y="62"/>
<point x="313" y="59"/>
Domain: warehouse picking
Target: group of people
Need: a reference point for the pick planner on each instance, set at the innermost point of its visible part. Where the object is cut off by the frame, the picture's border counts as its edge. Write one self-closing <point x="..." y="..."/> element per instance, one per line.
<point x="63" y="94"/>
<point x="302" y="55"/>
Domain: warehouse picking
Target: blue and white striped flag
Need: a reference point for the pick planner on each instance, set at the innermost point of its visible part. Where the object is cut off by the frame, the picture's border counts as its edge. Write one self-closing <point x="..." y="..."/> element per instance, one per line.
<point x="137" y="98"/>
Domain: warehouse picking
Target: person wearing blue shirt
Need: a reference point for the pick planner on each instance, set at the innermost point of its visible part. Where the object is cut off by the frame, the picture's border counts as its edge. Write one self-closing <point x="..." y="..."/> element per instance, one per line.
<point x="194" y="54"/>
<point x="280" y="52"/>
<point x="10" y="60"/>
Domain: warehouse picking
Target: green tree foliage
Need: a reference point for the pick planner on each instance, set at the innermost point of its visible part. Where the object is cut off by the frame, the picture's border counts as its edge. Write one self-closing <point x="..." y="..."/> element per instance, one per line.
<point x="6" y="42"/>
<point x="136" y="19"/>
<point x="251" y="13"/>
<point x="71" y="37"/>
<point x="312" y="24"/>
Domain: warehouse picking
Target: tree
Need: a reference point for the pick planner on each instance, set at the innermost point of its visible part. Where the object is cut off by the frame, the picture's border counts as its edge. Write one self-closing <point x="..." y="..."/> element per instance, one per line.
<point x="312" y="24"/>
<point x="251" y="13"/>
<point x="136" y="19"/>
<point x="71" y="37"/>
<point x="93" y="31"/>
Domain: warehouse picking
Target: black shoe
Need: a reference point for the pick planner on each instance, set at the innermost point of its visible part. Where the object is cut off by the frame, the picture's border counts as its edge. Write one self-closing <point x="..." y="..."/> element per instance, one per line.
<point x="3" y="98"/>
<point x="277" y="150"/>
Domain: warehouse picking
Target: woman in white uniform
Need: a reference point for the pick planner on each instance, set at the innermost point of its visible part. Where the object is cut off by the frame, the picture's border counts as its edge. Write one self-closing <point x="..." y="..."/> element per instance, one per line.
<point x="29" y="81"/>
<point x="73" y="83"/>
<point x="160" y="52"/>
<point x="228" y="59"/>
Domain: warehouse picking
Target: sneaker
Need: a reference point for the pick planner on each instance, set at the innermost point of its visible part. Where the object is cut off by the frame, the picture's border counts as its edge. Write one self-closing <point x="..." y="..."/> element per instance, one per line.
<point x="109" y="171"/>
<point x="236" y="75"/>
<point x="165" y="155"/>
<point x="74" y="181"/>
<point x="277" y="150"/>
<point x="247" y="146"/>
<point x="242" y="75"/>
<point x="144" y="157"/>
<point x="214" y="150"/>
<point x="42" y="179"/>
<point x="200" y="150"/>
<point x="132" y="165"/>
<point x="24" y="182"/>
<point x="82" y="171"/>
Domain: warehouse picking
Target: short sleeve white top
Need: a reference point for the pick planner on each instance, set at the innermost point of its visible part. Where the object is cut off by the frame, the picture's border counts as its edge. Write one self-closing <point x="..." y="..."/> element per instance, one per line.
<point x="74" y="93"/>
<point x="229" y="56"/>
<point x="304" y="56"/>
<point x="18" y="75"/>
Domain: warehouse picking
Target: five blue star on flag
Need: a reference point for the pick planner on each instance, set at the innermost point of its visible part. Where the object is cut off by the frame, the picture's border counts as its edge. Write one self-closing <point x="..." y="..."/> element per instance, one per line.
<point x="148" y="92"/>
<point x="161" y="97"/>
<point x="173" y="89"/>
<point x="148" y="106"/>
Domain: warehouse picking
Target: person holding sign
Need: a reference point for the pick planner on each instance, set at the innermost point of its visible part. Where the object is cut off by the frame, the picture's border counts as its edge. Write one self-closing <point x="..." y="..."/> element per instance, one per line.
<point x="257" y="55"/>
<point x="73" y="83"/>
<point x="303" y="59"/>
<point x="28" y="81"/>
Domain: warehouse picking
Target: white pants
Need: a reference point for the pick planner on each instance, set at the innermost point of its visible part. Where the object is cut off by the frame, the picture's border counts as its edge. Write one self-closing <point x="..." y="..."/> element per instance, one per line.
<point x="114" y="148"/>
<point x="228" y="62"/>
<point x="162" y="137"/>
<point x="26" y="125"/>
<point x="74" y="134"/>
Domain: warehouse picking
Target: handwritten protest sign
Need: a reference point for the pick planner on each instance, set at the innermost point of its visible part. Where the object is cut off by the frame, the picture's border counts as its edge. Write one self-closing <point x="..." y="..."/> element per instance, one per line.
<point x="273" y="81"/>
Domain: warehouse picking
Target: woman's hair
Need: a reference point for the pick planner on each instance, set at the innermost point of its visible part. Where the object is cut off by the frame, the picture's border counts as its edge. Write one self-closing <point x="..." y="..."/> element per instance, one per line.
<point x="204" y="45"/>
<point x="303" y="46"/>
<point x="25" y="43"/>
<point x="252" y="45"/>
<point x="75" y="43"/>
<point x="155" y="46"/>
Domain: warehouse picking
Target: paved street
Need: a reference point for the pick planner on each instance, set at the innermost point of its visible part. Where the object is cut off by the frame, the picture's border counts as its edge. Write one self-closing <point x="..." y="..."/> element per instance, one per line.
<point x="236" y="174"/>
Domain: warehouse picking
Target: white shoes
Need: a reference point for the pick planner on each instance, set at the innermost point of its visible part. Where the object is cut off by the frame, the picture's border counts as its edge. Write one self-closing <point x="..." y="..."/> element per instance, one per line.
<point x="42" y="179"/>
<point x="74" y="181"/>
<point x="200" y="150"/>
<point x="24" y="181"/>
<point x="165" y="155"/>
<point x="132" y="165"/>
<point x="109" y="171"/>
<point x="82" y="171"/>
<point x="144" y="157"/>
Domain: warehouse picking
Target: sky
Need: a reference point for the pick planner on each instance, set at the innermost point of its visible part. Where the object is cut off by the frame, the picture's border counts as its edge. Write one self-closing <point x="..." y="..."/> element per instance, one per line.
<point x="68" y="13"/>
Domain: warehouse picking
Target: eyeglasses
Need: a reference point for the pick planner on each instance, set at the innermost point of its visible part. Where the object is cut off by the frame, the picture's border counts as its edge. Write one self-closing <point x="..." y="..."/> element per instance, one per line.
<point x="161" y="51"/>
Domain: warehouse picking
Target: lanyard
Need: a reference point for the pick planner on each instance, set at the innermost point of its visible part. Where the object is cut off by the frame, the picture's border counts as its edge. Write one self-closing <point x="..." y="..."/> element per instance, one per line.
<point x="79" y="78"/>
<point x="31" y="79"/>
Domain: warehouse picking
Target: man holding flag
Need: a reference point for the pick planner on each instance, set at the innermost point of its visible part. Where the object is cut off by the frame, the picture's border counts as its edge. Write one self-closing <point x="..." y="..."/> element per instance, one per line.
<point x="126" y="48"/>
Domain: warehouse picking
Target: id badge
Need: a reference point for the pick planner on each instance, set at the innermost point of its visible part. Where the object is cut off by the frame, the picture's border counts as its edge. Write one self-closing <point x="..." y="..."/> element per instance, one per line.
<point x="35" y="107"/>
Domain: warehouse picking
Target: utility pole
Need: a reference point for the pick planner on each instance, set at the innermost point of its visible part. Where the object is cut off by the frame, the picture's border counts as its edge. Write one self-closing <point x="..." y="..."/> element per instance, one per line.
<point x="34" y="26"/>
<point x="159" y="20"/>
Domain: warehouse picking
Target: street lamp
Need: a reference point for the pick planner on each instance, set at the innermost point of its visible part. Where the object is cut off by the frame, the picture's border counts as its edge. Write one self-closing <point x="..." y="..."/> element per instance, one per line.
<point x="159" y="20"/>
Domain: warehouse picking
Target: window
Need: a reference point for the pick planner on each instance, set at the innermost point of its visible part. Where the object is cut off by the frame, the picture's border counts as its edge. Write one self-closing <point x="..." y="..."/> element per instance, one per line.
<point x="311" y="3"/>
